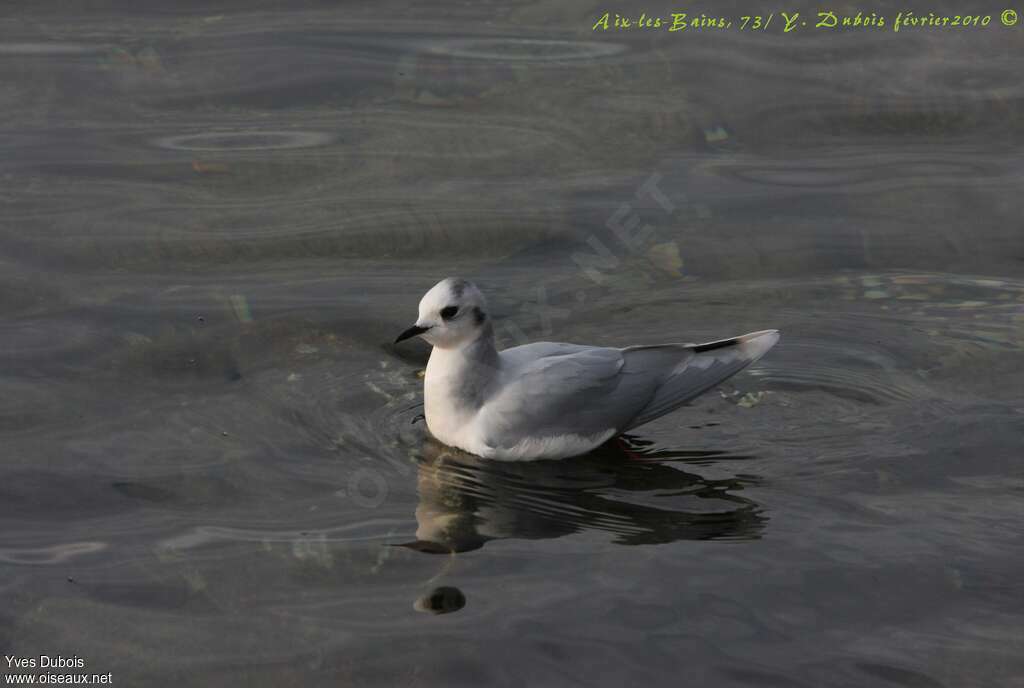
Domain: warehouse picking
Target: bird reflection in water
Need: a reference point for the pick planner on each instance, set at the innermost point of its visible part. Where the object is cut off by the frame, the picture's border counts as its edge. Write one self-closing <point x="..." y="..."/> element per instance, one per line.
<point x="623" y="488"/>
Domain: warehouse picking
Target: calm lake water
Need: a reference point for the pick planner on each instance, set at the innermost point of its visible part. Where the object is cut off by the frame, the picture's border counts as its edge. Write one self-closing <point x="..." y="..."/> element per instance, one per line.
<point x="215" y="217"/>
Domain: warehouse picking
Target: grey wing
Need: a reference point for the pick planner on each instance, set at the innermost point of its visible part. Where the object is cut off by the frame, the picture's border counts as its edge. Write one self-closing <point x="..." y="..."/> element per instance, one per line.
<point x="532" y="353"/>
<point x="557" y="389"/>
<point x="698" y="368"/>
<point x="581" y="392"/>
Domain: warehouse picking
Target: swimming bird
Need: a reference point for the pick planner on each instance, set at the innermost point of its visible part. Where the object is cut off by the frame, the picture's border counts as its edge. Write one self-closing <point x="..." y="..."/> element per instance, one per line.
<point x="551" y="400"/>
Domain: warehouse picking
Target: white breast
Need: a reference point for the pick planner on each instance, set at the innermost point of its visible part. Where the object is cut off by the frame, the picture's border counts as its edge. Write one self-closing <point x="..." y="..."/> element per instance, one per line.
<point x="447" y="419"/>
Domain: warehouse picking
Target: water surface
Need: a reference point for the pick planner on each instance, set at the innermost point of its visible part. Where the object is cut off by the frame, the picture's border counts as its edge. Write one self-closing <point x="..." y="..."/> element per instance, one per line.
<point x="215" y="216"/>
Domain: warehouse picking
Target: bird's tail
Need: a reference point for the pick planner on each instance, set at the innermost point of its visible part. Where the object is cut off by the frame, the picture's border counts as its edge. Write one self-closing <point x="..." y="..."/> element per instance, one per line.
<point x="700" y="367"/>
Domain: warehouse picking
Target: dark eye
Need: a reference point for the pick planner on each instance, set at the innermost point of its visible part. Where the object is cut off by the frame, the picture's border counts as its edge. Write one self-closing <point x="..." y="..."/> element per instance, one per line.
<point x="448" y="312"/>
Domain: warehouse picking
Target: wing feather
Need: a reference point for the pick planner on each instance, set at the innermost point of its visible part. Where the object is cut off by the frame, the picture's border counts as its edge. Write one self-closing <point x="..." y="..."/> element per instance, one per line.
<point x="582" y="393"/>
<point x="556" y="390"/>
<point x="704" y="367"/>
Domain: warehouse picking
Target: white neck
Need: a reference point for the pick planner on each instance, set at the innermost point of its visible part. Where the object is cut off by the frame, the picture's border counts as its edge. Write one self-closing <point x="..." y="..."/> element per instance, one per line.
<point x="456" y="384"/>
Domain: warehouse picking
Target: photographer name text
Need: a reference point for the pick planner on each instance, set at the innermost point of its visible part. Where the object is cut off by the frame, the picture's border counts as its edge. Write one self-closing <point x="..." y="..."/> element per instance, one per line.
<point x="60" y="671"/>
<point x="788" y="22"/>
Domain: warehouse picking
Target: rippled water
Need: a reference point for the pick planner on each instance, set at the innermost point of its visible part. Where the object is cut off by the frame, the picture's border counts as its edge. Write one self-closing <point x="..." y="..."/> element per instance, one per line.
<point x="215" y="216"/>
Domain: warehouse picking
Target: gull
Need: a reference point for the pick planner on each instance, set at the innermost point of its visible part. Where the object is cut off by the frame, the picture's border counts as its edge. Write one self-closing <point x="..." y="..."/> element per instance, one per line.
<point x="551" y="400"/>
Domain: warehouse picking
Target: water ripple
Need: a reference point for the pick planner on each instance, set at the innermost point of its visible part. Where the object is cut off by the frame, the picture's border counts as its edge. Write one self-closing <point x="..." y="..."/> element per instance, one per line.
<point x="254" y="140"/>
<point x="526" y="49"/>
<point x="50" y="48"/>
<point x="55" y="554"/>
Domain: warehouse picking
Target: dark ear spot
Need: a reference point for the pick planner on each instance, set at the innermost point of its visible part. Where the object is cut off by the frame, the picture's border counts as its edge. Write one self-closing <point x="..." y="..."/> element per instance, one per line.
<point x="459" y="287"/>
<point x="478" y="315"/>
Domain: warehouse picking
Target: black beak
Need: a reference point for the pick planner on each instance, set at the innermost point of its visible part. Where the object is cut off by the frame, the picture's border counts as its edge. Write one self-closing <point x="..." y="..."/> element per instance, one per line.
<point x="411" y="332"/>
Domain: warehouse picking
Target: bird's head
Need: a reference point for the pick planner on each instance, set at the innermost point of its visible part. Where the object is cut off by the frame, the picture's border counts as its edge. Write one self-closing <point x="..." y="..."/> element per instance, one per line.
<point x="453" y="313"/>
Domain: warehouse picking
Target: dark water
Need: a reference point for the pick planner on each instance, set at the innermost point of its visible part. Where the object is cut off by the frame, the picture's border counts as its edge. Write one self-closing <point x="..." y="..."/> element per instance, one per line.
<point x="215" y="216"/>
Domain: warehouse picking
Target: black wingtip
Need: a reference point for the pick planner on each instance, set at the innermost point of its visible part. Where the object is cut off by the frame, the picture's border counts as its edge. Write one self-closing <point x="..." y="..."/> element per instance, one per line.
<point x="734" y="341"/>
<point x="720" y="344"/>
